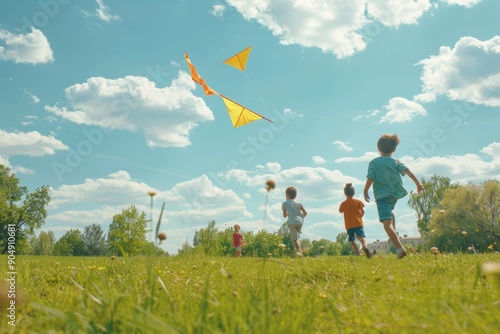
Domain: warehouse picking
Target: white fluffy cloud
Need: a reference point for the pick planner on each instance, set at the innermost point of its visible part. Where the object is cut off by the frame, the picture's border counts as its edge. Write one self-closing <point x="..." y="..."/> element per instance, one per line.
<point x="368" y="156"/>
<point x="31" y="48"/>
<point x="401" y="110"/>
<point x="332" y="26"/>
<point x="116" y="189"/>
<point x="470" y="167"/>
<point x="313" y="183"/>
<point x="191" y="201"/>
<point x="217" y="10"/>
<point x="28" y="143"/>
<point x="470" y="71"/>
<point x="342" y="145"/>
<point x="318" y="160"/>
<point x="465" y="3"/>
<point x="165" y="115"/>
<point x="397" y="12"/>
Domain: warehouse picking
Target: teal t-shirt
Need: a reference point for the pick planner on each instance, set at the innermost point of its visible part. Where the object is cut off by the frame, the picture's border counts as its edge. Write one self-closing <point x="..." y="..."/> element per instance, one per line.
<point x="386" y="172"/>
<point x="293" y="212"/>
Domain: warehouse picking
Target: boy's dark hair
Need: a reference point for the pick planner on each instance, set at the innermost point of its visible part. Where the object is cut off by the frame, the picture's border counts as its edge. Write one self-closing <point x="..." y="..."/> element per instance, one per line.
<point x="387" y="143"/>
<point x="349" y="189"/>
<point x="291" y="192"/>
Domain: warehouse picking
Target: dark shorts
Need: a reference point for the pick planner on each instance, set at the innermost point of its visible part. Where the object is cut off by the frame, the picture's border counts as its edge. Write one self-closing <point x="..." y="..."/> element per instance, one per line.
<point x="385" y="206"/>
<point x="359" y="231"/>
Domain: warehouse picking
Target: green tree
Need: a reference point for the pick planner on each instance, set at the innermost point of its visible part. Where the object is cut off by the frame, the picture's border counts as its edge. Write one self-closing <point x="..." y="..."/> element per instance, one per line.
<point x="344" y="244"/>
<point x="43" y="244"/>
<point x="262" y="243"/>
<point x="150" y="249"/>
<point x="428" y="199"/>
<point x="322" y="247"/>
<point x="470" y="214"/>
<point x="284" y="234"/>
<point x="186" y="249"/>
<point x="70" y="243"/>
<point x="225" y="241"/>
<point x="94" y="240"/>
<point x="21" y="208"/>
<point x="127" y="232"/>
<point x="206" y="239"/>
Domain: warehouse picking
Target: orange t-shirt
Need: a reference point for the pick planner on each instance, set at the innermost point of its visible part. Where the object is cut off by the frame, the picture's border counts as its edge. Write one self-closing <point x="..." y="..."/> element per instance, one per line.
<point x="351" y="208"/>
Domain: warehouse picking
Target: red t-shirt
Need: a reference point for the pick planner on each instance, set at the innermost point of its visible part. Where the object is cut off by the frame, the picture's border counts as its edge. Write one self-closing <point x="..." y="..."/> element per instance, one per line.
<point x="237" y="239"/>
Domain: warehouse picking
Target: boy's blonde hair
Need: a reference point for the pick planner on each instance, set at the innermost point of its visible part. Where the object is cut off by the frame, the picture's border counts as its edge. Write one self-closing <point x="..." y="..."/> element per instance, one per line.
<point x="237" y="227"/>
<point x="387" y="143"/>
<point x="349" y="190"/>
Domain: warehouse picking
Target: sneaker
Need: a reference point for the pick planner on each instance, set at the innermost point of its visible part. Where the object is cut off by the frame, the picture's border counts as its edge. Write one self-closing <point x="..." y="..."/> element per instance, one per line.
<point x="401" y="254"/>
<point x="299" y="254"/>
<point x="367" y="253"/>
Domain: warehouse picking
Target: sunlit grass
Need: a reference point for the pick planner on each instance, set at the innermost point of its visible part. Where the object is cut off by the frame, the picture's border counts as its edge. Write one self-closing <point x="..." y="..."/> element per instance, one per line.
<point x="423" y="293"/>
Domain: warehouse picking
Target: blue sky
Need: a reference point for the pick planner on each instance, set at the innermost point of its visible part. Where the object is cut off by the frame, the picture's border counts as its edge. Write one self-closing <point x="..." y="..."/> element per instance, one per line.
<point x="98" y="104"/>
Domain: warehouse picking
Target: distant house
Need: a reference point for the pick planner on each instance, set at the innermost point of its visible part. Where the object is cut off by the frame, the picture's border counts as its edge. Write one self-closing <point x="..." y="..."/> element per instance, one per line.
<point x="383" y="246"/>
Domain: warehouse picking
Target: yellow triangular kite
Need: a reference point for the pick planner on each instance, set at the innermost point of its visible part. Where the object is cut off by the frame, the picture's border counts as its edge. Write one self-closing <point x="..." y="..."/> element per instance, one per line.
<point x="239" y="114"/>
<point x="239" y="60"/>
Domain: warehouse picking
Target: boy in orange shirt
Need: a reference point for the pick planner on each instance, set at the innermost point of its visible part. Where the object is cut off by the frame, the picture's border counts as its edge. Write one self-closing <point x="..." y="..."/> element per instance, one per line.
<point x="353" y="213"/>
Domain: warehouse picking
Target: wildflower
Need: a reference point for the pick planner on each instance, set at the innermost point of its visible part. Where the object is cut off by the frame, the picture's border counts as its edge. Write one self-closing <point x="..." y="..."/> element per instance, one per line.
<point x="269" y="255"/>
<point x="464" y="233"/>
<point x="282" y="246"/>
<point x="162" y="236"/>
<point x="435" y="250"/>
<point x="113" y="258"/>
<point x="225" y="273"/>
<point x="101" y="268"/>
<point x="322" y="295"/>
<point x="490" y="247"/>
<point x="270" y="185"/>
<point x="492" y="268"/>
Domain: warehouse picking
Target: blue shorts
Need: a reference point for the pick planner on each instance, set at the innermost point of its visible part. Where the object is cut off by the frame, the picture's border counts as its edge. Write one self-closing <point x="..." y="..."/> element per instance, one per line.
<point x="385" y="206"/>
<point x="359" y="231"/>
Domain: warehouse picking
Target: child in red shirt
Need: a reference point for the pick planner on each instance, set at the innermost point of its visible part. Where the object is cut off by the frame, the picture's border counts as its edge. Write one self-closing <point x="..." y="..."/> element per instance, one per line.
<point x="238" y="241"/>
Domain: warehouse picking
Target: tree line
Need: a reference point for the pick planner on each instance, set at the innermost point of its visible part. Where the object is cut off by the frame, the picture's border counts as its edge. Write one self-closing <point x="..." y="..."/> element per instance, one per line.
<point x="450" y="216"/>
<point x="212" y="241"/>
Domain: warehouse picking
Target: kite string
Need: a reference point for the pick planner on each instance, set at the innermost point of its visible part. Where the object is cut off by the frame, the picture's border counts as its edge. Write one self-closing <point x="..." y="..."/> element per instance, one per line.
<point x="256" y="91"/>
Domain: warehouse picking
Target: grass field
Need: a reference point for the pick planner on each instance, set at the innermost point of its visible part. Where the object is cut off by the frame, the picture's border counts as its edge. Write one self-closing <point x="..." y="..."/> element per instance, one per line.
<point x="422" y="293"/>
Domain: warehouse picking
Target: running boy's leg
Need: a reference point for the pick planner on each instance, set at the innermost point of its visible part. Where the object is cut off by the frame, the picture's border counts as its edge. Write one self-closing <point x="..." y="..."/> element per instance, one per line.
<point x="355" y="247"/>
<point x="391" y="233"/>
<point x="351" y="238"/>
<point x="385" y="206"/>
<point x="294" y="234"/>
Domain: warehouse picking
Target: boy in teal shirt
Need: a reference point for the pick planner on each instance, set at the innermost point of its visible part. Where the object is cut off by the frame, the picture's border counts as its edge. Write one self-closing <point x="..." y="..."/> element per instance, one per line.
<point x="385" y="173"/>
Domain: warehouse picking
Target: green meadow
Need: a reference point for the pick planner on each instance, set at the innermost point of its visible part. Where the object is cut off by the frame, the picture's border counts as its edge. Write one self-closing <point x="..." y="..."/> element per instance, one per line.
<point x="421" y="293"/>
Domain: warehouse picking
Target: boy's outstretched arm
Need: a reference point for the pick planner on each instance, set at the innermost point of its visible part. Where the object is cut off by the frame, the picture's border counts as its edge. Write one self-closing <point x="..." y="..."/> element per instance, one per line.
<point x="284" y="213"/>
<point x="368" y="184"/>
<point x="304" y="212"/>
<point x="414" y="179"/>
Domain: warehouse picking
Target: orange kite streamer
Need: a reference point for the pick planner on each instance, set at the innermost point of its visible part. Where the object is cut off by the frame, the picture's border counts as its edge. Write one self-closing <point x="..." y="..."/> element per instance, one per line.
<point x="239" y="60"/>
<point x="239" y="114"/>
<point x="197" y="78"/>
